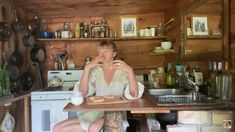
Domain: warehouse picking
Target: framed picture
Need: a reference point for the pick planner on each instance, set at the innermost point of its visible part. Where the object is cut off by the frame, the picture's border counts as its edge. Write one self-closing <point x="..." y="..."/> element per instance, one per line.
<point x="128" y="27"/>
<point x="199" y="26"/>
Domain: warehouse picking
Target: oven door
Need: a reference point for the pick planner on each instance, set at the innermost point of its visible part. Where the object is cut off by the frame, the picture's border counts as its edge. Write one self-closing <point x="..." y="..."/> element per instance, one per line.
<point x="45" y="114"/>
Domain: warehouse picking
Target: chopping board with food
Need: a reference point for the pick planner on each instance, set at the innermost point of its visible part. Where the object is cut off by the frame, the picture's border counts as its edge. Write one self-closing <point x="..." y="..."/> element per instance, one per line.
<point x="94" y="100"/>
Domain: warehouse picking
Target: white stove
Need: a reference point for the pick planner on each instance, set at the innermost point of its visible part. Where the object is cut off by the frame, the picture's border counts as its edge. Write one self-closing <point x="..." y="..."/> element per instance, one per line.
<point x="48" y="103"/>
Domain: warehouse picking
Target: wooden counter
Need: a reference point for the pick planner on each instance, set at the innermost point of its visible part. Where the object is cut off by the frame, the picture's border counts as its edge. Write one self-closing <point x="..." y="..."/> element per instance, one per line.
<point x="142" y="105"/>
<point x="145" y="105"/>
<point x="7" y="100"/>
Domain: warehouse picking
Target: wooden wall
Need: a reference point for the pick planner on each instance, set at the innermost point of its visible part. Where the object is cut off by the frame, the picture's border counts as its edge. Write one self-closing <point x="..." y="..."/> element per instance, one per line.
<point x="135" y="52"/>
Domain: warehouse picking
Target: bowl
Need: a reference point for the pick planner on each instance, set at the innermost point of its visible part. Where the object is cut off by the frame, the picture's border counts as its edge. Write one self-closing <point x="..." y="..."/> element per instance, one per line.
<point x="45" y="34"/>
<point x="158" y="48"/>
<point x="166" y="45"/>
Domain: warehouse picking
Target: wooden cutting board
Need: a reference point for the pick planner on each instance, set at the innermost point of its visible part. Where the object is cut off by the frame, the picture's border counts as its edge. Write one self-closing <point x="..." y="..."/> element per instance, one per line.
<point x="94" y="100"/>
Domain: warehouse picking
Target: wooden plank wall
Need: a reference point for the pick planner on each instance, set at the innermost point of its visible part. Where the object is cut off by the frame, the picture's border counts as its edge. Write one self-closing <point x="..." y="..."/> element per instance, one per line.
<point x="135" y="52"/>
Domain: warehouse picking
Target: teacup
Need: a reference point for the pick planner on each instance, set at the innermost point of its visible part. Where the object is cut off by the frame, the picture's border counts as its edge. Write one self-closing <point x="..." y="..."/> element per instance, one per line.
<point x="76" y="99"/>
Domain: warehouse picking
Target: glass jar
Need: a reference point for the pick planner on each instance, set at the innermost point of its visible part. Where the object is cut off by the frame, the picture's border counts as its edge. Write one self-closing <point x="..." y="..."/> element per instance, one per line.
<point x="160" y="29"/>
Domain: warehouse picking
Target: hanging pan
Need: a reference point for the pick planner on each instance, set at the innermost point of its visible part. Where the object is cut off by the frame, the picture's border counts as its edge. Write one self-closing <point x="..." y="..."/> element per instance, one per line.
<point x="26" y="80"/>
<point x="28" y="39"/>
<point x="16" y="25"/>
<point x="17" y="57"/>
<point x="5" y="30"/>
<point x="37" y="54"/>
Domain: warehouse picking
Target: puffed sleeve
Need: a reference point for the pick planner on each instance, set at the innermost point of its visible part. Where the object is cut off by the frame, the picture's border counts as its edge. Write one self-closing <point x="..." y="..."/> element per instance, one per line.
<point x="91" y="90"/>
<point x="140" y="89"/>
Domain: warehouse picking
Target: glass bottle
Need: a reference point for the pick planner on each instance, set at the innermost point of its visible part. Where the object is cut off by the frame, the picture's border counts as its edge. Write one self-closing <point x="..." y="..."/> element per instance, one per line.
<point x="207" y="84"/>
<point x="170" y="80"/>
<point x="226" y="86"/>
<point x="1" y="81"/>
<point x="212" y="80"/>
<point x="77" y="30"/>
<point x="198" y="76"/>
<point x="191" y="73"/>
<point x="86" y="30"/>
<point x="218" y="80"/>
<point x="81" y="30"/>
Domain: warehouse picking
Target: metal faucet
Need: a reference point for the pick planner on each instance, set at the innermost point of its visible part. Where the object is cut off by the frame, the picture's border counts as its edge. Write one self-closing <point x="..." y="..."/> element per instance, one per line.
<point x="194" y="92"/>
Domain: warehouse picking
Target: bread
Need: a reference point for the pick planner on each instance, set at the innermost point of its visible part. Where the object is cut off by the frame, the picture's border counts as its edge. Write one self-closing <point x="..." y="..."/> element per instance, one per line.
<point x="97" y="99"/>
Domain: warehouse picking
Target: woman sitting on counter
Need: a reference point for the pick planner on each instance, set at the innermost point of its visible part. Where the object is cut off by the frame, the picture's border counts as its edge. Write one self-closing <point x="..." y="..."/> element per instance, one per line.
<point x="103" y="76"/>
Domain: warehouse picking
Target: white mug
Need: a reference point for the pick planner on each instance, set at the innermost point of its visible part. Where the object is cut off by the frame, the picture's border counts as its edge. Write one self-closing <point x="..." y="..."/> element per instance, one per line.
<point x="76" y="99"/>
<point x="66" y="34"/>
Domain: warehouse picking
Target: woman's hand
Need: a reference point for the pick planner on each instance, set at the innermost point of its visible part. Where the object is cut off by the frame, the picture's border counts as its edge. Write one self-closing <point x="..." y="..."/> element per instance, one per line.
<point x="94" y="63"/>
<point x="121" y="65"/>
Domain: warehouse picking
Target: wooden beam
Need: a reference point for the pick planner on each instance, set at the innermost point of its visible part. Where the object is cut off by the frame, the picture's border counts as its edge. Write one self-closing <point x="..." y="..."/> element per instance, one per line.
<point x="26" y="115"/>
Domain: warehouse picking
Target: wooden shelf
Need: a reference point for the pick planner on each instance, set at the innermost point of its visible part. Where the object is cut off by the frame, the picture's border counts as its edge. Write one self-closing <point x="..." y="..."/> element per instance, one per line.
<point x="100" y="39"/>
<point x="204" y="37"/>
<point x="163" y="52"/>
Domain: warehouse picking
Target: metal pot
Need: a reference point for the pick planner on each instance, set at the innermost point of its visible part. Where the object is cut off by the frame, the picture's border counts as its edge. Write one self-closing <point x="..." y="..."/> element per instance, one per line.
<point x="37" y="54"/>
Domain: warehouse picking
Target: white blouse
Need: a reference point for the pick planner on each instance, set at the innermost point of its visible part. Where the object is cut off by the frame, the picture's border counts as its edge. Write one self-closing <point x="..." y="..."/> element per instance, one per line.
<point x="97" y="86"/>
<point x="117" y="87"/>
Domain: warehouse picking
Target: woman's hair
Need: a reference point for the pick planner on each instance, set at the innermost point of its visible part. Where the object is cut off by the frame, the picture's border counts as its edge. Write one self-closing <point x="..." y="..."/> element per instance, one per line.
<point x="108" y="43"/>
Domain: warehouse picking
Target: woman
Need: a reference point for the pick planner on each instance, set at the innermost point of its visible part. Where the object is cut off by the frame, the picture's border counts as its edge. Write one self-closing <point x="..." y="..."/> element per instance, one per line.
<point x="103" y="76"/>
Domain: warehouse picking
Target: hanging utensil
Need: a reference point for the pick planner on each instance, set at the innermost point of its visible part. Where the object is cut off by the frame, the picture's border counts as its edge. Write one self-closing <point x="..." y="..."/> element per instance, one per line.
<point x="62" y="58"/>
<point x="26" y="80"/>
<point x="17" y="57"/>
<point x="16" y="25"/>
<point x="37" y="54"/>
<point x="5" y="30"/>
<point x="28" y="39"/>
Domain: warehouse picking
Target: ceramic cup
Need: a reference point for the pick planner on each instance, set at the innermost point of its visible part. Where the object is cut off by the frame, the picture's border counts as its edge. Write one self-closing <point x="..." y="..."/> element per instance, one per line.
<point x="66" y="34"/>
<point x="76" y="99"/>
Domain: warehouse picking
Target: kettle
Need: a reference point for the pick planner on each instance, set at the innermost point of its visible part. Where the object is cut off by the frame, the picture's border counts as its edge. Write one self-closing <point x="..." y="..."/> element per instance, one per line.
<point x="55" y="82"/>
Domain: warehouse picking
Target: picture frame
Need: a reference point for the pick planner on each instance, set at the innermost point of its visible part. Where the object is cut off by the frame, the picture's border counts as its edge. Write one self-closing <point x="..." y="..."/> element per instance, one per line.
<point x="200" y="25"/>
<point x="128" y="26"/>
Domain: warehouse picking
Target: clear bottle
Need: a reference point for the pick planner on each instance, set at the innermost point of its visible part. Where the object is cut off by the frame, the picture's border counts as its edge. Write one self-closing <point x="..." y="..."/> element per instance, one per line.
<point x="170" y="79"/>
<point x="212" y="81"/>
<point x="218" y="80"/>
<point x="207" y="84"/>
<point x="226" y="85"/>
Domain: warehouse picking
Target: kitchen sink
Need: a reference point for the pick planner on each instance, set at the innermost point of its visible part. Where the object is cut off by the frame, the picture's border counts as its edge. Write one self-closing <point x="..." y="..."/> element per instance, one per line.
<point x="159" y="92"/>
<point x="184" y="99"/>
<point x="169" y="97"/>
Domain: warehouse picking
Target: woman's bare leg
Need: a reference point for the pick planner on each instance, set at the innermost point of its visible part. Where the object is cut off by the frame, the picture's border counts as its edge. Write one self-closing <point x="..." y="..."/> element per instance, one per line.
<point x="69" y="125"/>
<point x="96" y="125"/>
